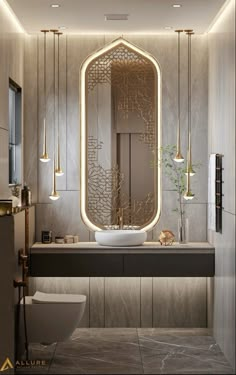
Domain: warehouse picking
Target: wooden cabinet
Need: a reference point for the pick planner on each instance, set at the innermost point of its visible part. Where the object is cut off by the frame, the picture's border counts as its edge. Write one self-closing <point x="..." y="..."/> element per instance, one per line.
<point x="13" y="234"/>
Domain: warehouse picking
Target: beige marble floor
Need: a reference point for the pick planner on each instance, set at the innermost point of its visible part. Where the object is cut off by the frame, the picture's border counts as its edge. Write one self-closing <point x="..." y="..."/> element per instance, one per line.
<point x="132" y="351"/>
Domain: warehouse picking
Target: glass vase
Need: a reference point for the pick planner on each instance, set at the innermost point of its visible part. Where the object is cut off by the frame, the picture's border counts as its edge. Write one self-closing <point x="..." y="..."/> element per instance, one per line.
<point x="183" y="230"/>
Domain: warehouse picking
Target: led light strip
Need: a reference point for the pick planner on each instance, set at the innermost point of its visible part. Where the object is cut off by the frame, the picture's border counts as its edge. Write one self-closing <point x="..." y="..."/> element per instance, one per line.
<point x="83" y="132"/>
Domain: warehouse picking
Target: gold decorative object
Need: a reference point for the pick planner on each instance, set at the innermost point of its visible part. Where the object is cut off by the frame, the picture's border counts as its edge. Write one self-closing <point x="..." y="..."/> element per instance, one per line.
<point x="120" y="112"/>
<point x="178" y="157"/>
<point x="166" y="237"/>
<point x="188" y="195"/>
<point x="44" y="157"/>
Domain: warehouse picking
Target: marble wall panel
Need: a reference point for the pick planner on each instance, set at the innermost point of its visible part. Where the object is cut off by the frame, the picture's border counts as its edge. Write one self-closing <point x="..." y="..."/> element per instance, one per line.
<point x="78" y="48"/>
<point x="122" y="302"/>
<point x="221" y="139"/>
<point x="146" y="302"/>
<point x="179" y="302"/>
<point x="97" y="302"/>
<point x="52" y="217"/>
<point x="169" y="219"/>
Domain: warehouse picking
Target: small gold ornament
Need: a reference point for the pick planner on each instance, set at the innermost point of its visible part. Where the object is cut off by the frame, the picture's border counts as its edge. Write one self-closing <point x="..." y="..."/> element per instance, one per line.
<point x="166" y="237"/>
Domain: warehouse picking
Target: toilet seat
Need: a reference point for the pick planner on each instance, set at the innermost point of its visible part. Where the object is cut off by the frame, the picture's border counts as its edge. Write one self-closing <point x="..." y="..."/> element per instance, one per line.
<point x="40" y="297"/>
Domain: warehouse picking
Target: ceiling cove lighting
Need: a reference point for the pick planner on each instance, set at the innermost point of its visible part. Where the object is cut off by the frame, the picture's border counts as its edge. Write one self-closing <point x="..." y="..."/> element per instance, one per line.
<point x="6" y="7"/>
<point x="178" y="157"/>
<point x="116" y="17"/>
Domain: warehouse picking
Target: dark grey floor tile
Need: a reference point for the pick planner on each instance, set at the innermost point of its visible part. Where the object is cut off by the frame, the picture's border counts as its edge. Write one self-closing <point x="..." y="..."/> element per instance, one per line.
<point x="173" y="353"/>
<point x="175" y="331"/>
<point x="94" y="365"/>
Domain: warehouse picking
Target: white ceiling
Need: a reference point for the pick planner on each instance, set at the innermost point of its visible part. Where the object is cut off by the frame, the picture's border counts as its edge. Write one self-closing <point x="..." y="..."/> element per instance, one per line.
<point x="87" y="16"/>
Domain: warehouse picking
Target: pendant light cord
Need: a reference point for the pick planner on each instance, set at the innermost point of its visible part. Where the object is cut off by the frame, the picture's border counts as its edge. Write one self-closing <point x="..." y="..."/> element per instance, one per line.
<point x="44" y="76"/>
<point x="178" y="140"/>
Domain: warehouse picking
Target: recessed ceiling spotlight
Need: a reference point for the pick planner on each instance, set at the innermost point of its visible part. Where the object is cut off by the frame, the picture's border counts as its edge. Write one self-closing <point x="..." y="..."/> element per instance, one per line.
<point x="116" y="17"/>
<point x="176" y="5"/>
<point x="168" y="27"/>
<point x="62" y="27"/>
<point x="55" y="5"/>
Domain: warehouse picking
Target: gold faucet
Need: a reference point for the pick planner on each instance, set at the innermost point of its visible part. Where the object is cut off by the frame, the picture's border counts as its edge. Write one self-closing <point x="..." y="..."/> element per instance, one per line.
<point x="120" y="217"/>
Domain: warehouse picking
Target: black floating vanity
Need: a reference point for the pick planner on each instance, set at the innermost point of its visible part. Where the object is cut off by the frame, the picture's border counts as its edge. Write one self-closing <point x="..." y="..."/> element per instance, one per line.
<point x="150" y="259"/>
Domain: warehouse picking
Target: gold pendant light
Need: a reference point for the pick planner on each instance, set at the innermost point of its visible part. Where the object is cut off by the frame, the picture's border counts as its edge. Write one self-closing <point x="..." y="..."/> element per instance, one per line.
<point x="59" y="171"/>
<point x="54" y="195"/>
<point x="188" y="195"/>
<point x="178" y="157"/>
<point x="189" y="163"/>
<point x="44" y="157"/>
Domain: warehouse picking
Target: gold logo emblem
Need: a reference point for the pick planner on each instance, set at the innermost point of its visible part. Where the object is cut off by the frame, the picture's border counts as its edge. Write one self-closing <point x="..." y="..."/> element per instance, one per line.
<point x="6" y="365"/>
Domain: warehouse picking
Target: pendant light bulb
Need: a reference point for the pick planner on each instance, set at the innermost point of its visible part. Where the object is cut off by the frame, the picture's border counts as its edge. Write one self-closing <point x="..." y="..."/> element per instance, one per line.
<point x="178" y="157"/>
<point x="190" y="171"/>
<point x="54" y="195"/>
<point x="188" y="195"/>
<point x="44" y="157"/>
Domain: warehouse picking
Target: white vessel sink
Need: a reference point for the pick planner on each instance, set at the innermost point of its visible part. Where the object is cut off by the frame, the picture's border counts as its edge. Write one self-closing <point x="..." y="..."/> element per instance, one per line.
<point x="120" y="237"/>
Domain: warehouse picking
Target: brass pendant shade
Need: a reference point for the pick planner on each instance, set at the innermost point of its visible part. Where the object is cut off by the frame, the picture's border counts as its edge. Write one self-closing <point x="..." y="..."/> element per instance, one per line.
<point x="59" y="171"/>
<point x="178" y="157"/>
<point x="188" y="195"/>
<point x="54" y="195"/>
<point x="44" y="157"/>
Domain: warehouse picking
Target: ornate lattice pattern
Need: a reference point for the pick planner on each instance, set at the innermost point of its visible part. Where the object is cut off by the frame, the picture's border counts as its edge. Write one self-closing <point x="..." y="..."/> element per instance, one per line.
<point x="132" y="76"/>
<point x="105" y="194"/>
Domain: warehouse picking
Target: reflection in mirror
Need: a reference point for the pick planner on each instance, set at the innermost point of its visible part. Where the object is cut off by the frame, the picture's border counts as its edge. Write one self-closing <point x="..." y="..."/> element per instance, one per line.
<point x="120" y="135"/>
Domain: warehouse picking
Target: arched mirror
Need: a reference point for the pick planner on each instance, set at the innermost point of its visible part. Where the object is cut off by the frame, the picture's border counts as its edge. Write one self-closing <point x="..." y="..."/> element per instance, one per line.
<point x="120" y="137"/>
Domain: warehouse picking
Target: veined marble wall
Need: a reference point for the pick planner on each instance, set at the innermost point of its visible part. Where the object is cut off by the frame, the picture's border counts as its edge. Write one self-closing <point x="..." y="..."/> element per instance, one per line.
<point x="63" y="216"/>
<point x="146" y="302"/>
<point x="222" y="140"/>
<point x="11" y="66"/>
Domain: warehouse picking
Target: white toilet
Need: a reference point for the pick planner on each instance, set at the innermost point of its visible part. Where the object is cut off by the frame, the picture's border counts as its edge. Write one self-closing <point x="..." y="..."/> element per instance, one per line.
<point x="51" y="317"/>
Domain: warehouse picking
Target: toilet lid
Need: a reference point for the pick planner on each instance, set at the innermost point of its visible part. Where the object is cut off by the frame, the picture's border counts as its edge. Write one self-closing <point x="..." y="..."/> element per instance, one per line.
<point x="40" y="297"/>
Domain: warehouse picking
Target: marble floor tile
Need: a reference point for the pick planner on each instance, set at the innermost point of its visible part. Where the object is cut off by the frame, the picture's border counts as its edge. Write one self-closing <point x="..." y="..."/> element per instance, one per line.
<point x="100" y="351"/>
<point x="180" y="352"/>
<point x="133" y="351"/>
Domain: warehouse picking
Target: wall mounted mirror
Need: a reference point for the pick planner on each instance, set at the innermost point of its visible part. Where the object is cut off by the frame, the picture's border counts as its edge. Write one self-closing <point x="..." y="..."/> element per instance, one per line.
<point x="120" y="137"/>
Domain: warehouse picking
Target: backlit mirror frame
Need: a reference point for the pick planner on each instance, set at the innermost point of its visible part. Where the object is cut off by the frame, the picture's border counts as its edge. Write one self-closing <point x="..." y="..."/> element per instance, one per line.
<point x="83" y="131"/>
